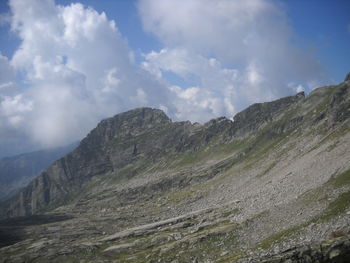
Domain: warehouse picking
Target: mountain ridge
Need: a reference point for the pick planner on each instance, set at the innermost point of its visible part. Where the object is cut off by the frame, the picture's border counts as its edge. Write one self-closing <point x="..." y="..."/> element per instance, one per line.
<point x="133" y="123"/>
<point x="141" y="188"/>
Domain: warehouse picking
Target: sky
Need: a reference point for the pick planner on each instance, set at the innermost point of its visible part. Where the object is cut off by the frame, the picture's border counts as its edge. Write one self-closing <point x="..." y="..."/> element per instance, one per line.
<point x="65" y="65"/>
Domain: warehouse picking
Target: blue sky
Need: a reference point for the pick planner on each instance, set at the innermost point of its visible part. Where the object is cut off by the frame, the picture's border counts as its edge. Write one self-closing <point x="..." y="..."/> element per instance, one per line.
<point x="322" y="26"/>
<point x="65" y="65"/>
<point x="124" y="12"/>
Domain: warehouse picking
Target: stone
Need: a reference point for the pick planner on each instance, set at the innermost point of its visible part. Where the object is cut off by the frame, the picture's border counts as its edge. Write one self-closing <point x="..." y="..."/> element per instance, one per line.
<point x="334" y="253"/>
<point x="347" y="78"/>
<point x="53" y="228"/>
<point x="38" y="245"/>
<point x="117" y="249"/>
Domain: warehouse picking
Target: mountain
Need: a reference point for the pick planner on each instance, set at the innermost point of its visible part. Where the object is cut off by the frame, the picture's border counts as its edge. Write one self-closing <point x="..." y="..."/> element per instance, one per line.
<point x="275" y="181"/>
<point x="17" y="171"/>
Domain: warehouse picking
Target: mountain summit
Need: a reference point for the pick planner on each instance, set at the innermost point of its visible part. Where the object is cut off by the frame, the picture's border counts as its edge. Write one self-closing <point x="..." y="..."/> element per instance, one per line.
<point x="141" y="188"/>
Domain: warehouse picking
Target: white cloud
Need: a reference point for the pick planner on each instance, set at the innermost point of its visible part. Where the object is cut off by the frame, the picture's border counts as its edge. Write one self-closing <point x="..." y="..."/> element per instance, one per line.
<point x="6" y="85"/>
<point x="203" y="25"/>
<point x="12" y="104"/>
<point x="13" y="111"/>
<point x="76" y="69"/>
<point x="241" y="52"/>
<point x="213" y="93"/>
<point x="7" y="74"/>
<point x="296" y="87"/>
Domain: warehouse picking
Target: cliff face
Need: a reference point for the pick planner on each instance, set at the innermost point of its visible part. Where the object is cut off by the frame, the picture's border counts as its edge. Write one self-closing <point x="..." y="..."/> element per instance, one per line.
<point x="140" y="185"/>
<point x="96" y="155"/>
<point x="250" y="119"/>
<point x="124" y="139"/>
<point x="17" y="171"/>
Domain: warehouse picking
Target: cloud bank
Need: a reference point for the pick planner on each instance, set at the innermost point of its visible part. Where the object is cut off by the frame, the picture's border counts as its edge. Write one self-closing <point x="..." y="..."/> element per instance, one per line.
<point x="74" y="69"/>
<point x="73" y="66"/>
<point x="240" y="52"/>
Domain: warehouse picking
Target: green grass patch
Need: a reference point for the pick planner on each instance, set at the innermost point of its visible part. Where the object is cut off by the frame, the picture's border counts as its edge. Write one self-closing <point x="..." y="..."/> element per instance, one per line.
<point x="340" y="180"/>
<point x="280" y="236"/>
<point x="185" y="195"/>
<point x="215" y="150"/>
<point x="335" y="208"/>
<point x="268" y="169"/>
<point x="332" y="135"/>
<point x="261" y="149"/>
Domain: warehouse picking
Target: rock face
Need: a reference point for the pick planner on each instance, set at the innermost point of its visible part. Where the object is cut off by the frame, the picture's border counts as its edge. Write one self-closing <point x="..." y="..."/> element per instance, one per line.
<point x="141" y="188"/>
<point x="347" y="78"/>
<point x="332" y="251"/>
<point x="94" y="156"/>
<point x="250" y="119"/>
<point x="17" y="171"/>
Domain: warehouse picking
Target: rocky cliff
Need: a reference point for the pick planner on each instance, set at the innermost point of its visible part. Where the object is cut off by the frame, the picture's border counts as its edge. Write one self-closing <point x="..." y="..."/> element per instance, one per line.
<point x="126" y="138"/>
<point x="141" y="188"/>
<point x="17" y="171"/>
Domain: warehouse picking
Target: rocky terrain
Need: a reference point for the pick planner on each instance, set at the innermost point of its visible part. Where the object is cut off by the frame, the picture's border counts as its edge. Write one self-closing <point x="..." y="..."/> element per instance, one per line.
<point x="17" y="171"/>
<point x="273" y="185"/>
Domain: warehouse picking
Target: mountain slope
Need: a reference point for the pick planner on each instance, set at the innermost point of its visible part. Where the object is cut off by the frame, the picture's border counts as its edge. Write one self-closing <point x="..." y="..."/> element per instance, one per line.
<point x="141" y="188"/>
<point x="17" y="171"/>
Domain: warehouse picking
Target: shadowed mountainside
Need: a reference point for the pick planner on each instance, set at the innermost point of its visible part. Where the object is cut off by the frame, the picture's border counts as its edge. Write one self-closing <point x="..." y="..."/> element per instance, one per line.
<point x="17" y="171"/>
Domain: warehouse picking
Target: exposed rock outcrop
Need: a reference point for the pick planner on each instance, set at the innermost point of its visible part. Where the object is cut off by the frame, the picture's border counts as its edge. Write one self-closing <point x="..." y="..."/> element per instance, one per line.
<point x="17" y="171"/>
<point x="114" y="143"/>
<point x="250" y="119"/>
<point x="331" y="251"/>
<point x="347" y="78"/>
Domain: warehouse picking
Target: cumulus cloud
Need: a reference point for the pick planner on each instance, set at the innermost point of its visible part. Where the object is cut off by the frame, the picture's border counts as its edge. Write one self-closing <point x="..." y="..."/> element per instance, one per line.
<point x="233" y="31"/>
<point x="75" y="69"/>
<point x="240" y="51"/>
<point x="211" y="93"/>
<point x="12" y="106"/>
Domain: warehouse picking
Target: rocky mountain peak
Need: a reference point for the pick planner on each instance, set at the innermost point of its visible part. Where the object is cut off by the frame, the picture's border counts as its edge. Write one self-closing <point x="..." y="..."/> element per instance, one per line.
<point x="128" y="123"/>
<point x="131" y="122"/>
<point x="347" y="78"/>
<point x="257" y="114"/>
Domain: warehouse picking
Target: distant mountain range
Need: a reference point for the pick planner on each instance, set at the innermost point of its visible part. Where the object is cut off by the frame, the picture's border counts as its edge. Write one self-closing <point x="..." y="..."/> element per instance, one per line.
<point x="17" y="171"/>
<point x="273" y="185"/>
